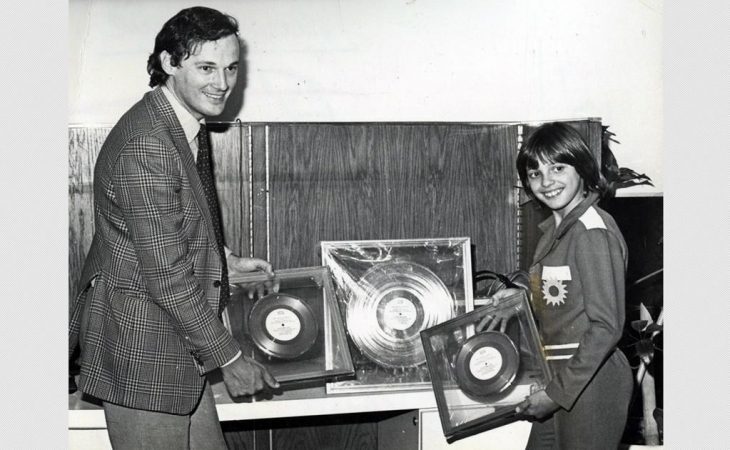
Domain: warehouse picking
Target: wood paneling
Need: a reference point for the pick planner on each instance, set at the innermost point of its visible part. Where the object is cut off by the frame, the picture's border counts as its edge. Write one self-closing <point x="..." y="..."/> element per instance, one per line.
<point x="391" y="181"/>
<point x="246" y="435"/>
<point x="83" y="147"/>
<point x="260" y="191"/>
<point x="230" y="145"/>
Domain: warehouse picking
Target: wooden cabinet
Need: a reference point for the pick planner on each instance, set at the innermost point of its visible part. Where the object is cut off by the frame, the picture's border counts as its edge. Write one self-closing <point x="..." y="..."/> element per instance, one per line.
<point x="390" y="181"/>
<point x="512" y="436"/>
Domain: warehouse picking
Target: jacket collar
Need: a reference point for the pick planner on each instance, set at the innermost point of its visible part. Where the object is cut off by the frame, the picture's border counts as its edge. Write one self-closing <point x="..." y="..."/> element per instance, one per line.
<point x="158" y="101"/>
<point x="547" y="226"/>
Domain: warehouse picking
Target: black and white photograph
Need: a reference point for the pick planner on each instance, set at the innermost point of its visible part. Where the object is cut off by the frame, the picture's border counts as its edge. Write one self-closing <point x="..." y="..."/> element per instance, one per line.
<point x="505" y="122"/>
<point x="386" y="225"/>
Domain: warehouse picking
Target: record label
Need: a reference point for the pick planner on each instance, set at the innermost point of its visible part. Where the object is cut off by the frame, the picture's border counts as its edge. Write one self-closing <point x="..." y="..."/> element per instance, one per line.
<point x="400" y="314"/>
<point x="283" y="324"/>
<point x="394" y="301"/>
<point x="485" y="363"/>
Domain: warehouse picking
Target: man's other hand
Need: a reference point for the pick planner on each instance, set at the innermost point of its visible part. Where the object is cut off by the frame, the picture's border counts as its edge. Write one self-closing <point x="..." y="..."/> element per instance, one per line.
<point x="244" y="376"/>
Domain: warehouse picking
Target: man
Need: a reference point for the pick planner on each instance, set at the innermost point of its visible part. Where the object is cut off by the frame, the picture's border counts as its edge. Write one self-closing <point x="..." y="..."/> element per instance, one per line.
<point x="155" y="279"/>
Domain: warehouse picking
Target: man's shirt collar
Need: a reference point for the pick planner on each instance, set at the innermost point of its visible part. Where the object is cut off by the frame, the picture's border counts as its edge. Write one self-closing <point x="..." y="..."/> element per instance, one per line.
<point x="190" y="125"/>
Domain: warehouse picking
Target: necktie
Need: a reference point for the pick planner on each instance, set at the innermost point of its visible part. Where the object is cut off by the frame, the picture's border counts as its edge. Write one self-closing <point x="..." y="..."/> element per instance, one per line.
<point x="205" y="170"/>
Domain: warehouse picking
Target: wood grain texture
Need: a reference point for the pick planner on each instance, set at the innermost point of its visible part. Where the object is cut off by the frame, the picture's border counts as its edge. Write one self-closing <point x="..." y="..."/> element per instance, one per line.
<point x="246" y="435"/>
<point x="229" y="143"/>
<point x="391" y="181"/>
<point x="83" y="147"/>
<point x="259" y="190"/>
<point x="342" y="432"/>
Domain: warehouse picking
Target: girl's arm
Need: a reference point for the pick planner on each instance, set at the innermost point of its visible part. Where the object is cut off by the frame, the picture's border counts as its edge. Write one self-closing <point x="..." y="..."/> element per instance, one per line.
<point x="599" y="262"/>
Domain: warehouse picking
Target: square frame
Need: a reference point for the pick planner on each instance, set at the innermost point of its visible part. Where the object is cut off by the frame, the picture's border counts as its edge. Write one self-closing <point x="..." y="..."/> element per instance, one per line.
<point x="310" y="288"/>
<point x="477" y="380"/>
<point x="414" y="272"/>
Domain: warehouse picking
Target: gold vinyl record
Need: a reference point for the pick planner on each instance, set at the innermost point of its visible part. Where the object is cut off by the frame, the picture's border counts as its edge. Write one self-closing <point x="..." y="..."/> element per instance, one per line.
<point x="486" y="364"/>
<point x="282" y="326"/>
<point x="391" y="304"/>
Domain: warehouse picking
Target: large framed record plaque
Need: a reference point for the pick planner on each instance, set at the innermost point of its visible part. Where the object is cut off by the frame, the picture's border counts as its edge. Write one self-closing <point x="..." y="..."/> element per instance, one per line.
<point x="483" y="364"/>
<point x="388" y="292"/>
<point x="297" y="332"/>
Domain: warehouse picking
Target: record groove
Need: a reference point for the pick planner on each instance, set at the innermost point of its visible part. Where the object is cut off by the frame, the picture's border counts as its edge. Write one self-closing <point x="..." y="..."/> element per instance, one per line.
<point x="392" y="304"/>
<point x="282" y="326"/>
<point x="486" y="364"/>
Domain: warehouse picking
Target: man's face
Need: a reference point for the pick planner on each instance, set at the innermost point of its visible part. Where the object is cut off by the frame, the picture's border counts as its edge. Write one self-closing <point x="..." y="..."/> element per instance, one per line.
<point x="204" y="81"/>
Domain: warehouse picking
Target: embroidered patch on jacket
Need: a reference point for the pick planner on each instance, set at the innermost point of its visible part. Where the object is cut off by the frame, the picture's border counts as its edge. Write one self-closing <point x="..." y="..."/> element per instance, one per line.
<point x="554" y="287"/>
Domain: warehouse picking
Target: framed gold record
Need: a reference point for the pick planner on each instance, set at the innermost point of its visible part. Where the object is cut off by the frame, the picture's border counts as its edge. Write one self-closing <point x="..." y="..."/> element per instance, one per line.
<point x="389" y="291"/>
<point x="395" y="301"/>
<point x="297" y="333"/>
<point x="486" y="364"/>
<point x="479" y="376"/>
<point x="283" y="326"/>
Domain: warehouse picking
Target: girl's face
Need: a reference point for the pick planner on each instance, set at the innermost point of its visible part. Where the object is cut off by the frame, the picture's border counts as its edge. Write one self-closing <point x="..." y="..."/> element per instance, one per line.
<point x="557" y="185"/>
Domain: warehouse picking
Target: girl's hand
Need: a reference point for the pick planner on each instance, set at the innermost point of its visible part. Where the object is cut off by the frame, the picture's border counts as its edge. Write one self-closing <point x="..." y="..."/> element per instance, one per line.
<point x="538" y="405"/>
<point x="498" y="318"/>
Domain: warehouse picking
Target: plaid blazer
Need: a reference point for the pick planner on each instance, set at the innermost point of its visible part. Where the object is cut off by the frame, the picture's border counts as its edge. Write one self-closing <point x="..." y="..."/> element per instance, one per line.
<point x="148" y="328"/>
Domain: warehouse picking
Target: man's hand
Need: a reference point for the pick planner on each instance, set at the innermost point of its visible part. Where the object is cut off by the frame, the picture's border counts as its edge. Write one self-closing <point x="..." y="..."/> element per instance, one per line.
<point x="244" y="376"/>
<point x="499" y="318"/>
<point x="238" y="266"/>
<point x="538" y="405"/>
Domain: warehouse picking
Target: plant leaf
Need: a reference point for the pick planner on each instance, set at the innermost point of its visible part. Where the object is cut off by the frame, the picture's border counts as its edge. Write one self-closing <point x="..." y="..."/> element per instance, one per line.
<point x="652" y="327"/>
<point x="639" y="325"/>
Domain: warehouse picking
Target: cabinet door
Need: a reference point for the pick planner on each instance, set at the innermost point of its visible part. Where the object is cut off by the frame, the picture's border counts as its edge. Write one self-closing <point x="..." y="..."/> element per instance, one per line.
<point x="391" y="181"/>
<point x="230" y="145"/>
<point x="512" y="436"/>
<point x="338" y="432"/>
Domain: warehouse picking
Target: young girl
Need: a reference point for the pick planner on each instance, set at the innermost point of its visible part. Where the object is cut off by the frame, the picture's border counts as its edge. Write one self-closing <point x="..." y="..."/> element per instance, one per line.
<point x="577" y="287"/>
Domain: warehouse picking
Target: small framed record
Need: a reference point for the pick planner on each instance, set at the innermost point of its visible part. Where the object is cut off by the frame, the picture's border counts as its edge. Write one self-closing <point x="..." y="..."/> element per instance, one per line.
<point x="283" y="326"/>
<point x="490" y="357"/>
<point x="297" y="332"/>
<point x="389" y="291"/>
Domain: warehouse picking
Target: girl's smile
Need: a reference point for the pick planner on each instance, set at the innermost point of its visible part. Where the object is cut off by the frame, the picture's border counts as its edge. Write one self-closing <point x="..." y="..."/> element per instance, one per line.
<point x="557" y="185"/>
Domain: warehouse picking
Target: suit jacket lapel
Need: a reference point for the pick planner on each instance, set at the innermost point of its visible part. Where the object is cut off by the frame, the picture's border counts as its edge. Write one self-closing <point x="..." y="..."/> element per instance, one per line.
<point x="160" y="104"/>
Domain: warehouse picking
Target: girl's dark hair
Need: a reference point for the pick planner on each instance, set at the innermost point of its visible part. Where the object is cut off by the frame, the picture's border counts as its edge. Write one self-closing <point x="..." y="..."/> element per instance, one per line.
<point x="557" y="142"/>
<point x="183" y="32"/>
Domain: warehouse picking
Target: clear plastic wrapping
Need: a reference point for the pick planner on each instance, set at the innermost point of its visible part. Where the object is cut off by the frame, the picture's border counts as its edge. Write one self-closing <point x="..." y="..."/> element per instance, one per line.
<point x="388" y="292"/>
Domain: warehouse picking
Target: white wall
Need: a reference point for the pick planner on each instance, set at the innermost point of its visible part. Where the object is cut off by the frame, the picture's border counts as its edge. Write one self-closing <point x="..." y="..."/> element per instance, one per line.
<point x="404" y="60"/>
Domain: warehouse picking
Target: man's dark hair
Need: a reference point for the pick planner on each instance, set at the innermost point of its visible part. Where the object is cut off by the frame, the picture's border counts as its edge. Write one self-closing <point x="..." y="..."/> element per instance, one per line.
<point x="183" y="33"/>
